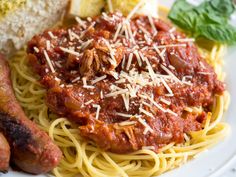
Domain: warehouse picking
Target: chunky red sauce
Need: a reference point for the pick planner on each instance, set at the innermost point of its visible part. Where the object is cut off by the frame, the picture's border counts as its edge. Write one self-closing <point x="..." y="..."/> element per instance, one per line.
<point x="128" y="84"/>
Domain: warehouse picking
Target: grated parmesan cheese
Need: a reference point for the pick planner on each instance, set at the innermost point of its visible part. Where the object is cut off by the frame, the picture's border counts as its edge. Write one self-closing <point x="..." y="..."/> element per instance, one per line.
<point x="126" y="101"/>
<point x="70" y="51"/>
<point x="146" y="113"/>
<point x="135" y="9"/>
<point x="124" y="115"/>
<point x="136" y="53"/>
<point x="49" y="61"/>
<point x="170" y="73"/>
<point x="80" y="22"/>
<point x="117" y="32"/>
<point x="48" y="45"/>
<point x="114" y="94"/>
<point x="36" y="49"/>
<point x="165" y="101"/>
<point x="171" y="112"/>
<point x="98" y="110"/>
<point x="88" y="102"/>
<point x="166" y="86"/>
<point x="86" y="44"/>
<point x="147" y="127"/>
<point x="51" y="35"/>
<point x="188" y="109"/>
<point x="186" y="40"/>
<point x="101" y="94"/>
<point x="98" y="79"/>
<point x="152" y="24"/>
<point x="171" y="45"/>
<point x="129" y="61"/>
<point x="127" y="123"/>
<point x="76" y="79"/>
<point x="85" y="31"/>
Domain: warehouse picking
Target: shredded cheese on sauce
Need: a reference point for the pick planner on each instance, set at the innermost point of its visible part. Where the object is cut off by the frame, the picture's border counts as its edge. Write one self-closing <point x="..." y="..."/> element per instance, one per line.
<point x="98" y="107"/>
<point x="127" y="123"/>
<point x="49" y="61"/>
<point x="70" y="51"/>
<point x="98" y="79"/>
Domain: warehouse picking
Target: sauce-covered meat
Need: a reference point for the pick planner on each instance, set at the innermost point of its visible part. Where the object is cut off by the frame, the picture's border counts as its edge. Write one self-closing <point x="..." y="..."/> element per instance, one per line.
<point x="127" y="83"/>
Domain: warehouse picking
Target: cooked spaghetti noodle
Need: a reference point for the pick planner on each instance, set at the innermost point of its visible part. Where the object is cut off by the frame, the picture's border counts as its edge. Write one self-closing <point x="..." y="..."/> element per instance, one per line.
<point x="85" y="158"/>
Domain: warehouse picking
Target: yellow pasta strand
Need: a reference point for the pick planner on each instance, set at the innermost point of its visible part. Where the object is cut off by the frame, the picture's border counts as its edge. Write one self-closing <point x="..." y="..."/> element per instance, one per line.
<point x="90" y="161"/>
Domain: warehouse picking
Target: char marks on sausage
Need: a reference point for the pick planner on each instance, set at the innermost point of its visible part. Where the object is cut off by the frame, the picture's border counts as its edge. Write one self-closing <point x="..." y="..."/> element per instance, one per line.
<point x="32" y="150"/>
<point x="128" y="84"/>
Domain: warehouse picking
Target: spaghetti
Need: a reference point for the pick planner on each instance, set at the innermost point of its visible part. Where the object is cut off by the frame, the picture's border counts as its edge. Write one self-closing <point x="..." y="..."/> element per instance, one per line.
<point x="85" y="158"/>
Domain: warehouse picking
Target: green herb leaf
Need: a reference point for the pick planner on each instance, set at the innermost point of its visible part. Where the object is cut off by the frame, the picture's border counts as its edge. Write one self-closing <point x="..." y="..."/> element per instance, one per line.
<point x="215" y="32"/>
<point x="209" y="20"/>
<point x="185" y="18"/>
<point x="225" y="7"/>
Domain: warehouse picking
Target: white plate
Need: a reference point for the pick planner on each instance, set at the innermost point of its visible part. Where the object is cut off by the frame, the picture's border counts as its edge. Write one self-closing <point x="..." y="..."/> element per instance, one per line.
<point x="220" y="161"/>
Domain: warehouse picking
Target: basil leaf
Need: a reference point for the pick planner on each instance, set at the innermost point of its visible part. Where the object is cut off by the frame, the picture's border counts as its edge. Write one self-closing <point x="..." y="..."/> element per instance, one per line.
<point x="180" y="6"/>
<point x="208" y="20"/>
<point x="212" y="18"/>
<point x="215" y="32"/>
<point x="225" y="7"/>
<point x="186" y="18"/>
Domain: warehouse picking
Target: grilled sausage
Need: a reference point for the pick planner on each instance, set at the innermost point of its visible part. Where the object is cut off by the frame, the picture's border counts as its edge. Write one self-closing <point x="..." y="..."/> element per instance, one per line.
<point x="4" y="154"/>
<point x="32" y="149"/>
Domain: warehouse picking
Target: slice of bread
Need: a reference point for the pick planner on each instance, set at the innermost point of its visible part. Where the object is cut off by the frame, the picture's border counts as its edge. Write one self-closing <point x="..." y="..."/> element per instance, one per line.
<point x="18" y="26"/>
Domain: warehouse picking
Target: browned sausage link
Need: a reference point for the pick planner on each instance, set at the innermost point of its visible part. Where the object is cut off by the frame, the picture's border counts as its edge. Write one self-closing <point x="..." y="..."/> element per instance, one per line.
<point x="32" y="149"/>
<point x="4" y="154"/>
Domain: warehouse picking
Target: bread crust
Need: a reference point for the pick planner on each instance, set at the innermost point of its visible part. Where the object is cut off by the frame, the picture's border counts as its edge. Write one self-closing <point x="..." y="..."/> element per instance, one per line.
<point x="20" y="25"/>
